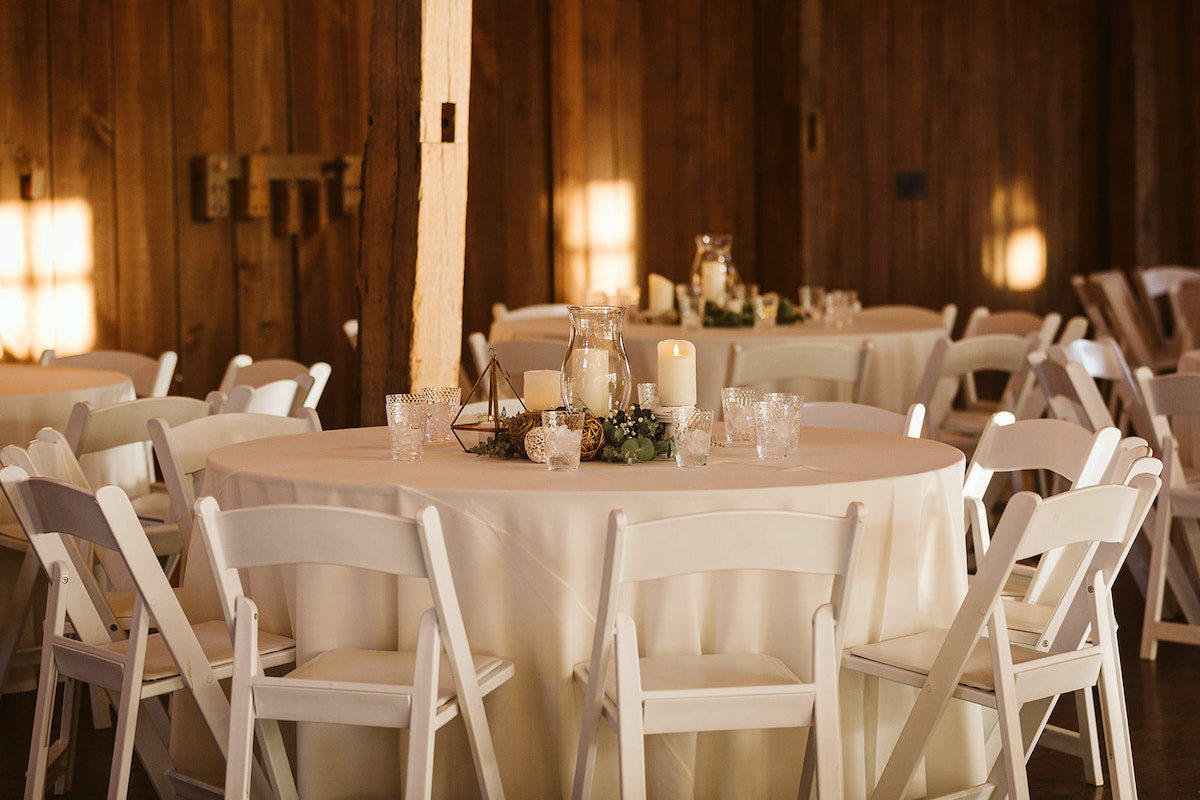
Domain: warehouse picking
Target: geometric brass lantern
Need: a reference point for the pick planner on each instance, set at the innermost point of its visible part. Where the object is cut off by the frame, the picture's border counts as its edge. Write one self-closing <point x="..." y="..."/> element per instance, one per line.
<point x="491" y="423"/>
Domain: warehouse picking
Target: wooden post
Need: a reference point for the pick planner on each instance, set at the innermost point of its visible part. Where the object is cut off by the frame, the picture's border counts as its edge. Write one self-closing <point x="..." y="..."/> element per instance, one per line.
<point x="414" y="199"/>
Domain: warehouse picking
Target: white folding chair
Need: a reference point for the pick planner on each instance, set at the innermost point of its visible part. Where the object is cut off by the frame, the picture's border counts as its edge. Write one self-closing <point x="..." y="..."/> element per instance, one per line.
<point x="516" y="356"/>
<point x="1184" y="298"/>
<point x="245" y="371"/>
<point x="281" y="398"/>
<point x="1104" y="360"/>
<point x="182" y="452"/>
<point x="1129" y="324"/>
<point x="352" y="686"/>
<point x="942" y="381"/>
<point x="151" y="376"/>
<point x="717" y="691"/>
<point x="774" y="367"/>
<point x="177" y="656"/>
<point x="861" y="417"/>
<point x="1173" y="401"/>
<point x="1073" y="329"/>
<point x="1153" y="285"/>
<point x="536" y="311"/>
<point x="1070" y="393"/>
<point x="976" y="661"/>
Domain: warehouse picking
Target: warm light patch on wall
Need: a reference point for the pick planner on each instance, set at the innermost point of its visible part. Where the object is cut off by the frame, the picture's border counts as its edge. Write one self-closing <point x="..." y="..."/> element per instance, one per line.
<point x="598" y="236"/>
<point x="46" y="295"/>
<point x="1014" y="254"/>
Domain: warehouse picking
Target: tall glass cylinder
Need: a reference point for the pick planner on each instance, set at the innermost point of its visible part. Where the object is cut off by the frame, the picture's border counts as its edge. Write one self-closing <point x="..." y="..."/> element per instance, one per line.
<point x="712" y="268"/>
<point x="595" y="372"/>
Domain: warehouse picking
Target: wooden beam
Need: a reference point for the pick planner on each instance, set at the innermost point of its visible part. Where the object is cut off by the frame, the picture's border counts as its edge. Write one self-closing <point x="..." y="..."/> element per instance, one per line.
<point x="414" y="199"/>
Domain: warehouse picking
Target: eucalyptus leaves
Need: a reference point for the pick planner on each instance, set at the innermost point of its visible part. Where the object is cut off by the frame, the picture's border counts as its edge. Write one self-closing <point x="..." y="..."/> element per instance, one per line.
<point x="635" y="436"/>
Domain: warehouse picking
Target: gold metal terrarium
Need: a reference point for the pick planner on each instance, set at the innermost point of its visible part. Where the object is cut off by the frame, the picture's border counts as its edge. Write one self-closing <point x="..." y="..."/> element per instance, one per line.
<point x="491" y="423"/>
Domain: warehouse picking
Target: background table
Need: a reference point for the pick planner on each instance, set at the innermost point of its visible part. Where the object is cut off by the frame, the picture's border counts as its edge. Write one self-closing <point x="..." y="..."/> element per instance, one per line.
<point x="526" y="547"/>
<point x="33" y="397"/>
<point x="903" y="338"/>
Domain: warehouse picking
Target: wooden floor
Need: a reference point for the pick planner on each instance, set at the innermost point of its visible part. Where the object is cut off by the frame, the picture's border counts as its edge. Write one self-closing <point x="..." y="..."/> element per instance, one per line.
<point x="1164" y="715"/>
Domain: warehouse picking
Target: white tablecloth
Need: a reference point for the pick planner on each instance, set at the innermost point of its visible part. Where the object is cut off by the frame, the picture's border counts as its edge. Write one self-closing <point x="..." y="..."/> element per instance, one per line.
<point x="33" y="397"/>
<point x="903" y="338"/>
<point x="526" y="547"/>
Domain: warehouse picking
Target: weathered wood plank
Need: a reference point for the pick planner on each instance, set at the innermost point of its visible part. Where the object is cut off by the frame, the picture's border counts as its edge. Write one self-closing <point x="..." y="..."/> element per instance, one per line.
<point x="207" y="282"/>
<point x="24" y="145"/>
<point x="81" y="122"/>
<point x="145" y="177"/>
<point x="568" y="120"/>
<point x="265" y="262"/>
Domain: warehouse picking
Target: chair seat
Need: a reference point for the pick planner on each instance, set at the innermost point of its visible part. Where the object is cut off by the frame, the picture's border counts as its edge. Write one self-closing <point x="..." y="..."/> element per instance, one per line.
<point x="214" y="640"/>
<point x="120" y="603"/>
<point x="918" y="652"/>
<point x="153" y="506"/>
<point x="376" y="668"/>
<point x="689" y="674"/>
<point x="1027" y="617"/>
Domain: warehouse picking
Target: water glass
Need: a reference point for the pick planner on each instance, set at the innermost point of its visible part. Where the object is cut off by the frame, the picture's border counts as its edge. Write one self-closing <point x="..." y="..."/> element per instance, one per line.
<point x="766" y="310"/>
<point x="647" y="395"/>
<point x="772" y="428"/>
<point x="812" y="301"/>
<point x="796" y="402"/>
<point x="443" y="402"/>
<point x="693" y="436"/>
<point x="407" y="416"/>
<point x="737" y="409"/>
<point x="564" y="439"/>
<point x="691" y="306"/>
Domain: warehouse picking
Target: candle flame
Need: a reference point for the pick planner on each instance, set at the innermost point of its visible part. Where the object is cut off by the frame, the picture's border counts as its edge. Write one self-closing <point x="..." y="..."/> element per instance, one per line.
<point x="677" y="348"/>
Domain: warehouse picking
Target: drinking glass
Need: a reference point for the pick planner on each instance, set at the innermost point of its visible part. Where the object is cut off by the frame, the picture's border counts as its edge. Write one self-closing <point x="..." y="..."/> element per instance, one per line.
<point x="766" y="310"/>
<point x="691" y="306"/>
<point x="772" y="428"/>
<point x="796" y="401"/>
<point x="564" y="439"/>
<point x="443" y="402"/>
<point x="812" y="301"/>
<point x="737" y="409"/>
<point x="647" y="395"/>
<point x="693" y="436"/>
<point x="407" y="416"/>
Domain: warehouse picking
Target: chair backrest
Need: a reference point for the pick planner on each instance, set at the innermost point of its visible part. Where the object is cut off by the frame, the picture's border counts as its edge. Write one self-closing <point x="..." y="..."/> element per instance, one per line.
<point x="1171" y="400"/>
<point x="950" y="361"/>
<point x="245" y="371"/>
<point x="1184" y="298"/>
<point x="517" y="355"/>
<point x="281" y="398"/>
<point x="1072" y="330"/>
<point x="774" y="366"/>
<point x="1104" y="360"/>
<point x="183" y="450"/>
<point x="983" y="322"/>
<point x="1070" y="392"/>
<point x="781" y="541"/>
<point x="151" y="376"/>
<point x="1092" y="302"/>
<point x="860" y="417"/>
<point x="536" y="311"/>
<point x="1152" y="286"/>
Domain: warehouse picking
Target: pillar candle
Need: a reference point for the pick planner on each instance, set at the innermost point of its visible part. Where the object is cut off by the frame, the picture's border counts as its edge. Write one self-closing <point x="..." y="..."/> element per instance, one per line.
<point x="662" y="293"/>
<point x="590" y="369"/>
<point x="543" y="389"/>
<point x="676" y="372"/>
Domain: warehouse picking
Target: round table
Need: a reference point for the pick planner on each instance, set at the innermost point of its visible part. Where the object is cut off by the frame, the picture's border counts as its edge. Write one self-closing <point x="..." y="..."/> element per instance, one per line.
<point x="33" y="397"/>
<point x="526" y="546"/>
<point x="903" y="338"/>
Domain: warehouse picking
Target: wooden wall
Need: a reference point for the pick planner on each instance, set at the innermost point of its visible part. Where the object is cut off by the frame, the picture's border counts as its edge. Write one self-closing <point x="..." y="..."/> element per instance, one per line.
<point x="112" y="98"/>
<point x="784" y="122"/>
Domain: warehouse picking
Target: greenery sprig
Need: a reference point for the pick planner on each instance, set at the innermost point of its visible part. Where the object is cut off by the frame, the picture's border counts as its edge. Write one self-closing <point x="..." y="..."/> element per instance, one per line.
<point x="717" y="317"/>
<point x="634" y="436"/>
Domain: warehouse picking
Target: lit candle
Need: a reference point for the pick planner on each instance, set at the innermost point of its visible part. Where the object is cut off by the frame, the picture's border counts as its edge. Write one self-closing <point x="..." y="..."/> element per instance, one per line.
<point x="590" y="368"/>
<point x="662" y="293"/>
<point x="712" y="282"/>
<point x="676" y="372"/>
<point x="543" y="389"/>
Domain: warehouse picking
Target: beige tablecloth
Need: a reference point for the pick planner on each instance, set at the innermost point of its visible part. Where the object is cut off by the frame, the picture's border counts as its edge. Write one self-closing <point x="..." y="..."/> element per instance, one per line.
<point x="33" y="397"/>
<point x="903" y="338"/>
<point x="526" y="547"/>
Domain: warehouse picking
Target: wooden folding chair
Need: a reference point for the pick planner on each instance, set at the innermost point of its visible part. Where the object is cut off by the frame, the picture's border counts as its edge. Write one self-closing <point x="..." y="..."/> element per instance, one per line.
<point x="352" y="686"/>
<point x="975" y="659"/>
<point x="177" y="656"/>
<point x="718" y="691"/>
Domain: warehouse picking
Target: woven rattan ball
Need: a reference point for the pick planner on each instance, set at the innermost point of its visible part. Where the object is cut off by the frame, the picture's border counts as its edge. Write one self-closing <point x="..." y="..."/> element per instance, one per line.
<point x="593" y="438"/>
<point x="519" y="427"/>
<point x="535" y="445"/>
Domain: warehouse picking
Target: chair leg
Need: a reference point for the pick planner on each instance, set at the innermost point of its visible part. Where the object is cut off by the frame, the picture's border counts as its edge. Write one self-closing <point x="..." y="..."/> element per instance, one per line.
<point x="1160" y="548"/>
<point x="67" y="729"/>
<point x="39" y="747"/>
<point x="1089" y="742"/>
<point x="631" y="739"/>
<point x="1112" y="701"/>
<point x="422" y="719"/>
<point x="127" y="715"/>
<point x="17" y="611"/>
